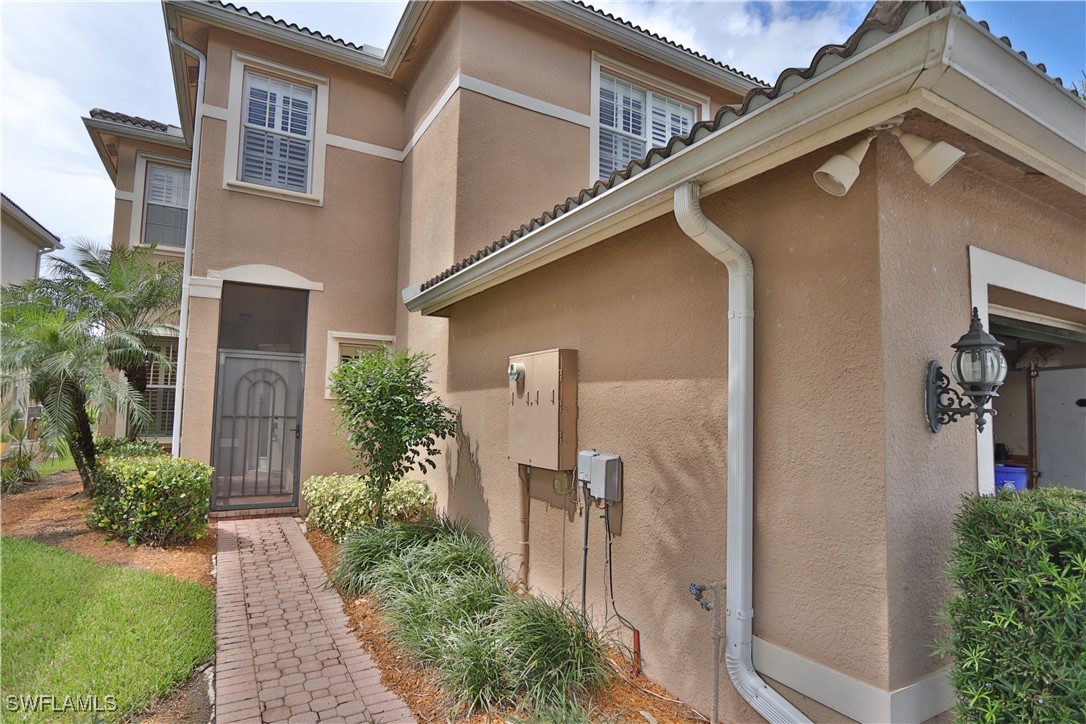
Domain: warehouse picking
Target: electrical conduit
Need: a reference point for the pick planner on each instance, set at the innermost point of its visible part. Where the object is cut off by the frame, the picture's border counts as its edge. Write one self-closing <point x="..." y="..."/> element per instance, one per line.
<point x="186" y="279"/>
<point x="740" y="554"/>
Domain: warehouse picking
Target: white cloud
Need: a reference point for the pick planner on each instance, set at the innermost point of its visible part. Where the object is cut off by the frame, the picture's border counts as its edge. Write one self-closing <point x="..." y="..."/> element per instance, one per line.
<point x="757" y="38"/>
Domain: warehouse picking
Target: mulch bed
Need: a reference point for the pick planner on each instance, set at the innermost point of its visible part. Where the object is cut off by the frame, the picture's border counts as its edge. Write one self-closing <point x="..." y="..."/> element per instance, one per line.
<point x="53" y="512"/>
<point x="416" y="684"/>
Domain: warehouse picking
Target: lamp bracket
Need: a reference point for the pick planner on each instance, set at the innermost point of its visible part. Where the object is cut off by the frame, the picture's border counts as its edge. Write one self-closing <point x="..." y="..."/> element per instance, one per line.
<point x="943" y="404"/>
<point x="889" y="123"/>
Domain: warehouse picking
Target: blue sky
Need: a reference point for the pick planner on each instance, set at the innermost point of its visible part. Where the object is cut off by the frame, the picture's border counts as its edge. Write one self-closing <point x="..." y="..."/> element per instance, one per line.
<point x="60" y="59"/>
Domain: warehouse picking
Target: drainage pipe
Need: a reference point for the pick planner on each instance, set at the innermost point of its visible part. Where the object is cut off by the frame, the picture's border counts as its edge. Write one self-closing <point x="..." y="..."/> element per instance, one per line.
<point x="186" y="278"/>
<point x="525" y="516"/>
<point x="585" y="502"/>
<point x="740" y="554"/>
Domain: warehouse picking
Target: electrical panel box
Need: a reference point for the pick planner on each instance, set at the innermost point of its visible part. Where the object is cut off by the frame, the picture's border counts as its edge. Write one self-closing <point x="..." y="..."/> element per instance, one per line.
<point x="602" y="474"/>
<point x="543" y="409"/>
<point x="606" y="478"/>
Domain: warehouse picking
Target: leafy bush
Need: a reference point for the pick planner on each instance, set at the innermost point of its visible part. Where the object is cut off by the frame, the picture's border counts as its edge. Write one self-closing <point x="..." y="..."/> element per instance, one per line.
<point x="391" y="415"/>
<point x="1017" y="618"/>
<point x="123" y="447"/>
<point x="18" y="467"/>
<point x="159" y="500"/>
<point x="339" y="504"/>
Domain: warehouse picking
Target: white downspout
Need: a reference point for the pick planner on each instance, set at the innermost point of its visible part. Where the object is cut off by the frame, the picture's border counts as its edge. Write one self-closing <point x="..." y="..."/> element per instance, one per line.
<point x="740" y="555"/>
<point x="182" y="323"/>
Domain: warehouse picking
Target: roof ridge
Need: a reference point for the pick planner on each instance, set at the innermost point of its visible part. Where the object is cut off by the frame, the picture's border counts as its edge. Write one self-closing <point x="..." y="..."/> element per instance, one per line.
<point x="885" y="18"/>
<point x="103" y="114"/>
<point x="656" y="36"/>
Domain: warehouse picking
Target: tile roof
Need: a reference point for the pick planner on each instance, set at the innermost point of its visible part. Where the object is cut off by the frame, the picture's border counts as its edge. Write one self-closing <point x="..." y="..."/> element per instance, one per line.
<point x="21" y="210"/>
<point x="241" y="10"/>
<point x="885" y="18"/>
<point x="104" y="115"/>
<point x="662" y="39"/>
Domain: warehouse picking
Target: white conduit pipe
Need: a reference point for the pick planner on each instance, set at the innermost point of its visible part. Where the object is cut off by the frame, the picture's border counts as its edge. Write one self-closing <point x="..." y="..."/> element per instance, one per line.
<point x="740" y="559"/>
<point x="186" y="278"/>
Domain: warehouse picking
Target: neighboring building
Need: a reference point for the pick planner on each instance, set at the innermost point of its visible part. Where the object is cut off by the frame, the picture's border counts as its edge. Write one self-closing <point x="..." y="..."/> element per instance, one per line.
<point x="24" y="242"/>
<point x="332" y="176"/>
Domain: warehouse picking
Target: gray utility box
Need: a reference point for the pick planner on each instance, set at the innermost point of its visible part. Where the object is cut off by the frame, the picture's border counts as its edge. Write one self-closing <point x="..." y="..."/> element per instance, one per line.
<point x="602" y="473"/>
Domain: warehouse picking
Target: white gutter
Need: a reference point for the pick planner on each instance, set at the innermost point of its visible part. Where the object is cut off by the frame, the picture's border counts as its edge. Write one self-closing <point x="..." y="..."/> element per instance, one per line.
<point x="740" y="554"/>
<point x="905" y="71"/>
<point x="190" y="234"/>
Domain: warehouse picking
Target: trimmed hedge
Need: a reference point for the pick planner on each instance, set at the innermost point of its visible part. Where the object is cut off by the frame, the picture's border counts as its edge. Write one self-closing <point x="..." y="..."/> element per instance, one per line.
<point x="339" y="504"/>
<point x="123" y="447"/>
<point x="1017" y="618"/>
<point x="158" y="499"/>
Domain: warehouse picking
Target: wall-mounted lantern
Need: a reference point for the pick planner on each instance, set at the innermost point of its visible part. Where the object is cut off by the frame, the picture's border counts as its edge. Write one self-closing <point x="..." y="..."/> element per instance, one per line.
<point x="978" y="366"/>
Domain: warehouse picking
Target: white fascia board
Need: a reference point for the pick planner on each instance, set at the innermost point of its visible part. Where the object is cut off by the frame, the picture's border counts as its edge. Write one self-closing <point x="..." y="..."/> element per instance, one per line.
<point x="636" y="41"/>
<point x="362" y="59"/>
<point x="46" y="240"/>
<point x="835" y="104"/>
<point x="1041" y="124"/>
<point x="103" y="154"/>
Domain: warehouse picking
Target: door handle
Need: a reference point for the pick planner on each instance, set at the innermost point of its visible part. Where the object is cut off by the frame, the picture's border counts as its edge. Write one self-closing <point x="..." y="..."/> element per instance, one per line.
<point x="297" y="430"/>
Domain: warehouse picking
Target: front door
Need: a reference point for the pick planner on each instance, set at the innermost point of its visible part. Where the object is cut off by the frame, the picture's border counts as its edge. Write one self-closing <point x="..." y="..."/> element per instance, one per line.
<point x="258" y="430"/>
<point x="257" y="434"/>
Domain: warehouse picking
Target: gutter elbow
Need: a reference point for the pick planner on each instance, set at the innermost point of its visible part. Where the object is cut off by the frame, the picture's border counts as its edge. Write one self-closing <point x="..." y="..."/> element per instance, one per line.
<point x="695" y="224"/>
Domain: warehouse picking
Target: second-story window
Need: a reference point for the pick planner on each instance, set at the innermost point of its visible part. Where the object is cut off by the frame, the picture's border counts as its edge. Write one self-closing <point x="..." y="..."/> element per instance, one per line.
<point x="166" y="201"/>
<point x="633" y="119"/>
<point x="277" y="133"/>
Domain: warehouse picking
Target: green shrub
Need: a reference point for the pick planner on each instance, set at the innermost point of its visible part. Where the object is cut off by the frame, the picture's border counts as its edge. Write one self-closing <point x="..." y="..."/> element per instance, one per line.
<point x="1017" y="618"/>
<point x="123" y="447"/>
<point x="367" y="548"/>
<point x="159" y="500"/>
<point x="450" y="606"/>
<point x="339" y="504"/>
<point x="552" y="651"/>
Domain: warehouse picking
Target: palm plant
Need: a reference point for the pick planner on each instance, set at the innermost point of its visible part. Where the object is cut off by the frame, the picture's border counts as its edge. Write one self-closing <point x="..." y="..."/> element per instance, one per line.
<point x="126" y="290"/>
<point x="62" y="336"/>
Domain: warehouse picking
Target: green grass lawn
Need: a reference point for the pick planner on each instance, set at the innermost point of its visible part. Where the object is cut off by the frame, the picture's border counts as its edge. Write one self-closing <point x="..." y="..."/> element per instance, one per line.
<point x="59" y="464"/>
<point x="72" y="627"/>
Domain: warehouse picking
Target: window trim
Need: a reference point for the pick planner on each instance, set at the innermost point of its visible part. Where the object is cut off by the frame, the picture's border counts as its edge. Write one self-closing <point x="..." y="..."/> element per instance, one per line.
<point x="331" y="356"/>
<point x="603" y="64"/>
<point x="239" y="64"/>
<point x="139" y="199"/>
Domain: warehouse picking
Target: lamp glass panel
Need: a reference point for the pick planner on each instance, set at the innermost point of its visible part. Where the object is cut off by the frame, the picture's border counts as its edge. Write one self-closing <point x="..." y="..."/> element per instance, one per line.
<point x="984" y="366"/>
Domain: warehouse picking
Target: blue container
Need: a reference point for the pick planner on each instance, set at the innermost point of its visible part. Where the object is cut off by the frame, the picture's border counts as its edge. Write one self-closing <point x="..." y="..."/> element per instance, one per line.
<point x="1010" y="477"/>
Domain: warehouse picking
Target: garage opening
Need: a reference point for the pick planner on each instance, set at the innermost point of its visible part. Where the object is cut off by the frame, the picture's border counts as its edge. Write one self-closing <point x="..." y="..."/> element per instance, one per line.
<point x="1040" y="428"/>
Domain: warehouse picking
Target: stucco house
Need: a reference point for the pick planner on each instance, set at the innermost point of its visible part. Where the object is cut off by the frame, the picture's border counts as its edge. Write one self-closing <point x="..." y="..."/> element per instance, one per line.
<point x="24" y="241"/>
<point x="767" y="404"/>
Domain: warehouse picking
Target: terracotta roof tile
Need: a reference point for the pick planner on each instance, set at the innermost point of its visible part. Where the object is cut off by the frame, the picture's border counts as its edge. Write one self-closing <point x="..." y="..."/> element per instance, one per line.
<point x="104" y="115"/>
<point x="241" y="10"/>
<point x="885" y="18"/>
<point x="662" y="39"/>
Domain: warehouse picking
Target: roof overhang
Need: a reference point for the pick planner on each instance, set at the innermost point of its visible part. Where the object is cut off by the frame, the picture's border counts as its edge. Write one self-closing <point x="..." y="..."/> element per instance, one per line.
<point x="366" y="58"/>
<point x="98" y="128"/>
<point x="945" y="65"/>
<point x="47" y="240"/>
<point x="638" y="42"/>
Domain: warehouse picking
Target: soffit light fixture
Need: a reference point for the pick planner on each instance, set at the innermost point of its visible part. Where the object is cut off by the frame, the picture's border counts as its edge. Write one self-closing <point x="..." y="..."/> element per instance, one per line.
<point x="979" y="368"/>
<point x="931" y="159"/>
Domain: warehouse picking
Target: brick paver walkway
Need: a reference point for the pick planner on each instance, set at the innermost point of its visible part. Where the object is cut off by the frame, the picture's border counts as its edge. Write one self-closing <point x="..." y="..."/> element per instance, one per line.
<point x="284" y="652"/>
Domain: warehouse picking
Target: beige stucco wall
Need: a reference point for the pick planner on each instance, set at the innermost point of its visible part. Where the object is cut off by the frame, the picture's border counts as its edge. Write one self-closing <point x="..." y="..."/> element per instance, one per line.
<point x="924" y="235"/>
<point x="348" y="243"/>
<point x="647" y="313"/>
